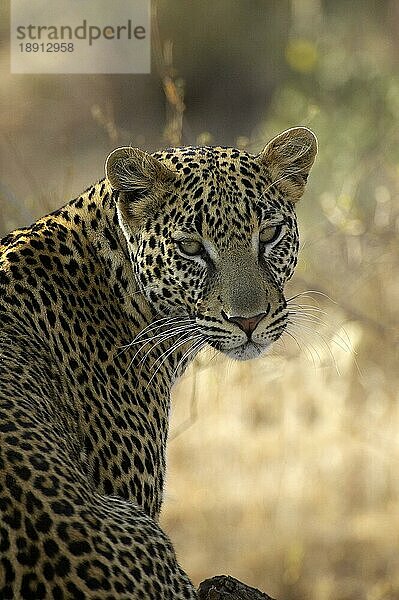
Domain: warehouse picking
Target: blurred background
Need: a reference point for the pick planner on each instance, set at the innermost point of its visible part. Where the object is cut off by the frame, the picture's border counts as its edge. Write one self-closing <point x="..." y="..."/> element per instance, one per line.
<point x="283" y="471"/>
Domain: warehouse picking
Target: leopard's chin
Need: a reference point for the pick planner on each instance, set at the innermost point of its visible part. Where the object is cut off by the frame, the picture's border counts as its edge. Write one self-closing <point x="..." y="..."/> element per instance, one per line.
<point x="246" y="351"/>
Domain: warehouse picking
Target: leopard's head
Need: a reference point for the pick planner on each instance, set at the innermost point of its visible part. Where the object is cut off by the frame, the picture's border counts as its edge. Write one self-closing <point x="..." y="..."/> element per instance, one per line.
<point x="213" y="235"/>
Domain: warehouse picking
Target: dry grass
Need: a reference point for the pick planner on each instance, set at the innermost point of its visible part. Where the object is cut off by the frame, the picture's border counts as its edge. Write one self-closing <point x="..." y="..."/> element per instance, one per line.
<point x="284" y="480"/>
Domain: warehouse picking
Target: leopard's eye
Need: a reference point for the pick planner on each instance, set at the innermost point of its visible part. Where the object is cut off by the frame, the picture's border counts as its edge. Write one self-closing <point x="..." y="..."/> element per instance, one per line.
<point x="271" y="234"/>
<point x="190" y="247"/>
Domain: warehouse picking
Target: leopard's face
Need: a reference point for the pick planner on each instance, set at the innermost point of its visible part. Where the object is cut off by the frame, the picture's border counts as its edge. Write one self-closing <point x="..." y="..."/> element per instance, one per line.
<point x="214" y="243"/>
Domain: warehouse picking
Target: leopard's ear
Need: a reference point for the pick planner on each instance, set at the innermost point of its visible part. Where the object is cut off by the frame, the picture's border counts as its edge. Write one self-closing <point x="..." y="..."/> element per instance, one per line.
<point x="134" y="170"/>
<point x="288" y="158"/>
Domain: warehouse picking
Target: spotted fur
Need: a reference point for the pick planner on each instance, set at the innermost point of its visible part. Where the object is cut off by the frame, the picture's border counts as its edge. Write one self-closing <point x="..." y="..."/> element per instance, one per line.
<point x="100" y="309"/>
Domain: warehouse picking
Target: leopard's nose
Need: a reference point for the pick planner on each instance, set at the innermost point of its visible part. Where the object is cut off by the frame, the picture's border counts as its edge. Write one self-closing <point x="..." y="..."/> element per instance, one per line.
<point x="246" y="324"/>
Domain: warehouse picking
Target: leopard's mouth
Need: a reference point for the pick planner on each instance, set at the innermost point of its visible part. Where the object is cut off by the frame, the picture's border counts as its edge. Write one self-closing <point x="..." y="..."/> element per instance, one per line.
<point x="248" y="350"/>
<point x="245" y="351"/>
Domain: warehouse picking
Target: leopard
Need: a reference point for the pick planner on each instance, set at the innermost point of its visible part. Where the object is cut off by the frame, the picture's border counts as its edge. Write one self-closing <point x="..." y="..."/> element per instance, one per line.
<point x="103" y="305"/>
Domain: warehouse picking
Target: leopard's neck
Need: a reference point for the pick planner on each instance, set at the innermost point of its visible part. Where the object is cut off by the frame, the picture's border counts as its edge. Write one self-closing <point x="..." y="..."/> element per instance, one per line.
<point x="131" y="381"/>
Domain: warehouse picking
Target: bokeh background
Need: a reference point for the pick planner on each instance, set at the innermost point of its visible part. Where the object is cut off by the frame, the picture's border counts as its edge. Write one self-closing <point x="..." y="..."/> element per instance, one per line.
<point x="284" y="471"/>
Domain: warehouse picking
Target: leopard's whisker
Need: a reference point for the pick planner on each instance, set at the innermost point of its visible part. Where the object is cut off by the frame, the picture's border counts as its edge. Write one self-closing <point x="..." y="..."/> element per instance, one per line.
<point x="181" y="340"/>
<point x="310" y="318"/>
<point x="160" y="338"/>
<point x="338" y="340"/>
<point x="309" y="307"/>
<point x="149" y="326"/>
<point x="310" y="293"/>
<point x="170" y="351"/>
<point x="307" y="347"/>
<point x="164" y="338"/>
<point x="311" y="331"/>
<point x="179" y="324"/>
<point x="165" y="321"/>
<point x="197" y="346"/>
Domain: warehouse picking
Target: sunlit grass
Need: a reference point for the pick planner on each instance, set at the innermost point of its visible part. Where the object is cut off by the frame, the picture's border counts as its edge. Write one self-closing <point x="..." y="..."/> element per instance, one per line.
<point x="285" y="479"/>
